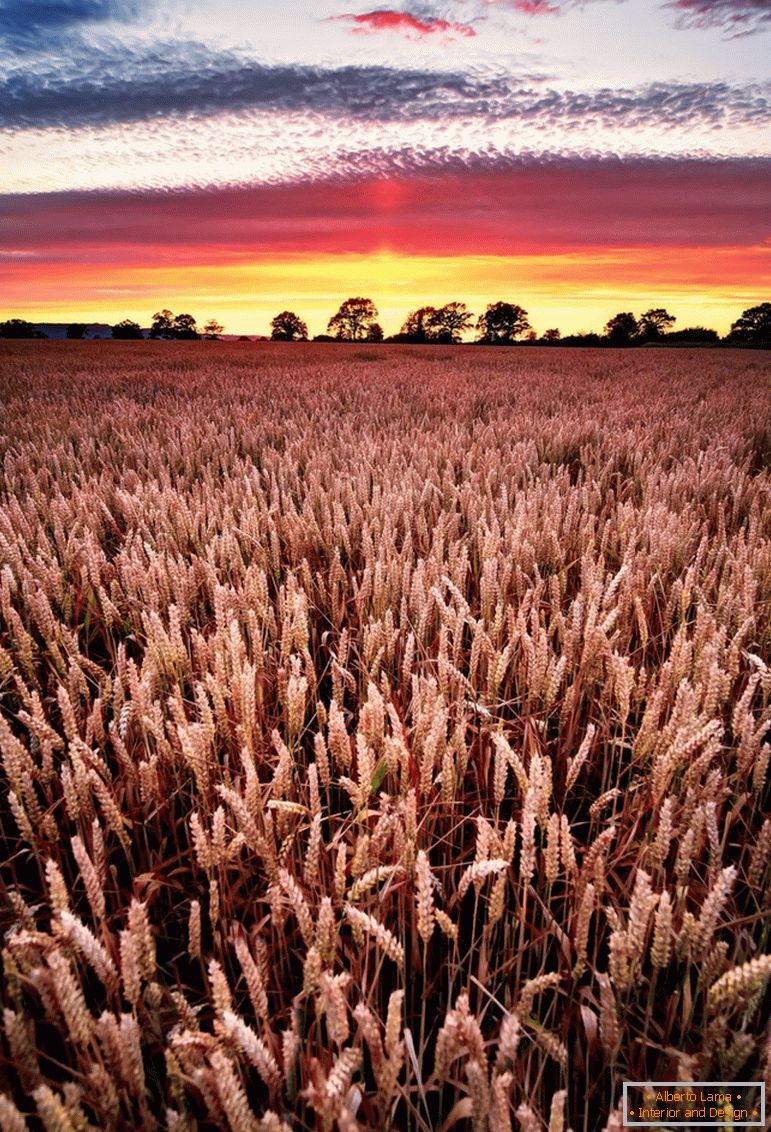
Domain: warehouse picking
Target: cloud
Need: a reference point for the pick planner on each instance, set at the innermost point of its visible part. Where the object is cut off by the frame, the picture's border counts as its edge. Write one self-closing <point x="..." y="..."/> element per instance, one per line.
<point x="535" y="7"/>
<point x="103" y="88"/>
<point x="735" y="17"/>
<point x="477" y="206"/>
<point x="404" y="23"/>
<point x="24" y="22"/>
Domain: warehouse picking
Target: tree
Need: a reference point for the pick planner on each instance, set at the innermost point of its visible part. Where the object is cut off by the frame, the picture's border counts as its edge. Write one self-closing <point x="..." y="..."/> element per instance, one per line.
<point x="163" y="324"/>
<point x="169" y="325"/>
<point x="552" y="335"/>
<point x="18" y="328"/>
<point x="375" y="332"/>
<point x="212" y="330"/>
<point x="77" y="330"/>
<point x="502" y="323"/>
<point x="127" y="329"/>
<point x="582" y="338"/>
<point x="451" y="321"/>
<point x="655" y="323"/>
<point x="288" y="327"/>
<point x="353" y="319"/>
<point x="622" y="328"/>
<point x="696" y="334"/>
<point x="754" y="327"/>
<point x="185" y="327"/>
<point x="420" y="325"/>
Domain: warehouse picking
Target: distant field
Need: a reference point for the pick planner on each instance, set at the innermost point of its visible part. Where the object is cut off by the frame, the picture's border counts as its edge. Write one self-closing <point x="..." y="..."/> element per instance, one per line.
<point x="384" y="733"/>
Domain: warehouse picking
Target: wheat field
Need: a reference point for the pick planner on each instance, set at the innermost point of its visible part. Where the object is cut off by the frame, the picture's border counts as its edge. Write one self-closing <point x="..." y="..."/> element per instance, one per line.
<point x="384" y="733"/>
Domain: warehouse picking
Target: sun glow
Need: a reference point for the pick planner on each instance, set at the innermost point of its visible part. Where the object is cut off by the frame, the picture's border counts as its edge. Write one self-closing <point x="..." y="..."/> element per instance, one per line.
<point x="576" y="289"/>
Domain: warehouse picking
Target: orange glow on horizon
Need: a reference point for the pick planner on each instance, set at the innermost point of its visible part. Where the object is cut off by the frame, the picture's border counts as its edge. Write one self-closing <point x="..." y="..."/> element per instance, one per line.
<point x="574" y="289"/>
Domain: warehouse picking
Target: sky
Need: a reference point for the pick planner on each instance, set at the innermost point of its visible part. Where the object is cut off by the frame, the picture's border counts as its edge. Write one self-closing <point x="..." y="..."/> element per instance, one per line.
<point x="235" y="159"/>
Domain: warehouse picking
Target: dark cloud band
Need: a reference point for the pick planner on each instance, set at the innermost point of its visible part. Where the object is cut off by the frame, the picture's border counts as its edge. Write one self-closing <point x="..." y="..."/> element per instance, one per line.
<point x="113" y="88"/>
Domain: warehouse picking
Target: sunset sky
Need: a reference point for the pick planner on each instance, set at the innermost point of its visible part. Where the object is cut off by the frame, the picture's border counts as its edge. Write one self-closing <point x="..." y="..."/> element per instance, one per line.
<point x="233" y="159"/>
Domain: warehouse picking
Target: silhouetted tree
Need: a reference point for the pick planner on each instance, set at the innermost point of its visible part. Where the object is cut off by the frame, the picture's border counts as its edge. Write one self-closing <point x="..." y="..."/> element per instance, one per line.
<point x="502" y="323"/>
<point x="185" y="327"/>
<point x="375" y="332"/>
<point x="696" y="334"/>
<point x="169" y="325"/>
<point x="655" y="323"/>
<point x="18" y="328"/>
<point x="419" y="325"/>
<point x="212" y="330"/>
<point x="552" y="335"/>
<point x="582" y="338"/>
<point x="451" y="321"/>
<point x="127" y="329"/>
<point x="754" y="327"/>
<point x="353" y="319"/>
<point x="622" y="329"/>
<point x="288" y="327"/>
<point x="77" y="330"/>
<point x="163" y="324"/>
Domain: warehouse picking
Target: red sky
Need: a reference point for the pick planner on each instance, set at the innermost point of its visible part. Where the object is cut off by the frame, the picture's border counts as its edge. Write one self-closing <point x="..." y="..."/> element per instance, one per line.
<point x="565" y="238"/>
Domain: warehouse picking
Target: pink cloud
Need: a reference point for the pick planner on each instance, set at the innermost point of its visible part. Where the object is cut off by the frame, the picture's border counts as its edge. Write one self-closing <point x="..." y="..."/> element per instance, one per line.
<point x="404" y="23"/>
<point x="535" y="7"/>
<point x="736" y="17"/>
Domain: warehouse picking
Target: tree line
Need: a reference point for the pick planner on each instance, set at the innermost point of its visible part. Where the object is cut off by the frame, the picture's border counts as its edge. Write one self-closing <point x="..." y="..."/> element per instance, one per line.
<point x="501" y="324"/>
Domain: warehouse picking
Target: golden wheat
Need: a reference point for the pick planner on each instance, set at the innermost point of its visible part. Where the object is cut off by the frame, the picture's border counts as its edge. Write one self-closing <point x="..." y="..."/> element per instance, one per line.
<point x="307" y="652"/>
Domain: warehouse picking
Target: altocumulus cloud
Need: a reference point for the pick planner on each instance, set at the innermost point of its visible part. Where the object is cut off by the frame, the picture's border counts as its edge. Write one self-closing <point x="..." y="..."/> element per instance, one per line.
<point x="189" y="79"/>
<point x="112" y="87"/>
<point x="24" y="23"/>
